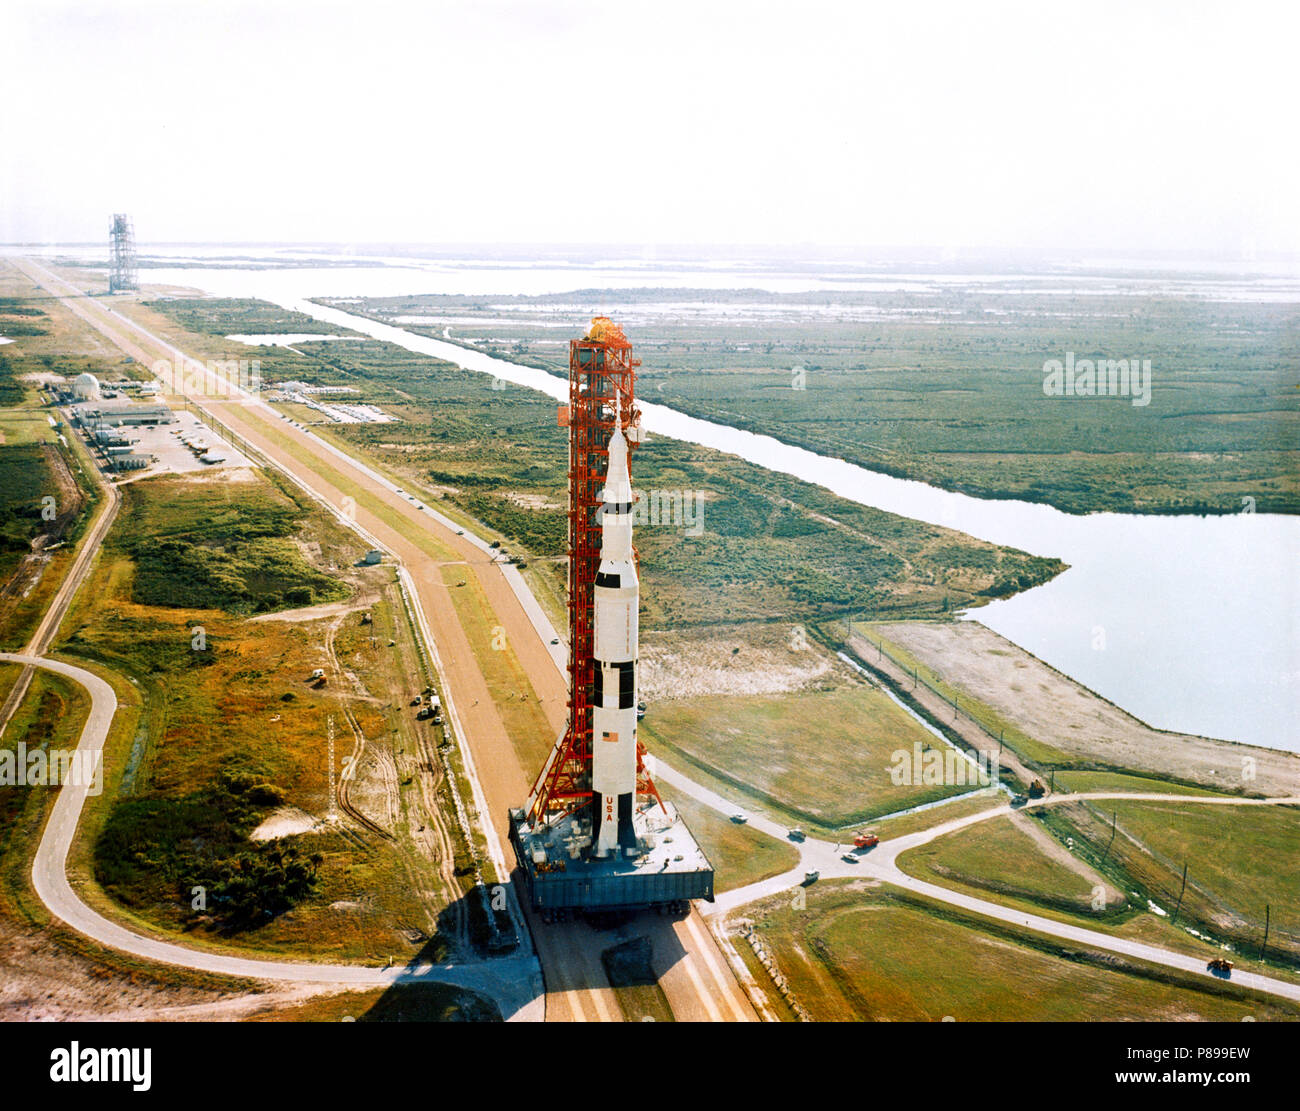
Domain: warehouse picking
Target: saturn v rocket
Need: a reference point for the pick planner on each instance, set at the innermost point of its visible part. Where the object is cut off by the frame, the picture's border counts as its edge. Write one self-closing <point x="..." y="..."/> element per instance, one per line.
<point x="614" y="651"/>
<point x="590" y="837"/>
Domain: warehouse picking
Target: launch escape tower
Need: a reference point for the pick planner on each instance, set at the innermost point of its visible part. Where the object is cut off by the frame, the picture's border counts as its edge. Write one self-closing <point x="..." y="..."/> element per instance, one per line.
<point x="121" y="272"/>
<point x="595" y="833"/>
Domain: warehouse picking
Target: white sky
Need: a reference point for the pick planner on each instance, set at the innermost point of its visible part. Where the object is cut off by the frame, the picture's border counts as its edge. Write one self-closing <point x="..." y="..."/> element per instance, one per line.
<point x="1123" y="126"/>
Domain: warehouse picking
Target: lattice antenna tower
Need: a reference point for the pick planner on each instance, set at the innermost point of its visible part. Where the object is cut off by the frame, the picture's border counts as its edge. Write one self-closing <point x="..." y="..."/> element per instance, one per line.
<point x="121" y="273"/>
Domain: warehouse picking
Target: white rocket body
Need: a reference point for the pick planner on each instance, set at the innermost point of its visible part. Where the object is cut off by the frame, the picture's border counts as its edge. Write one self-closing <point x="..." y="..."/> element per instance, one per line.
<point x="615" y="649"/>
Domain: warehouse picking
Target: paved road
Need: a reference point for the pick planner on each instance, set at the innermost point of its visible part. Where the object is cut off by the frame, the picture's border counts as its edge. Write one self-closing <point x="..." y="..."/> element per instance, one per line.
<point x="44" y="635"/>
<point x="881" y="863"/>
<point x="512" y="983"/>
<point x="423" y="541"/>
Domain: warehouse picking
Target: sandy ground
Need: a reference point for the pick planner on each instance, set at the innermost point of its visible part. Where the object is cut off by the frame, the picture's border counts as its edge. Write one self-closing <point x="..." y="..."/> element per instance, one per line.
<point x="365" y="597"/>
<point x="44" y="982"/>
<point x="762" y="660"/>
<point x="284" y="822"/>
<point x="1054" y="709"/>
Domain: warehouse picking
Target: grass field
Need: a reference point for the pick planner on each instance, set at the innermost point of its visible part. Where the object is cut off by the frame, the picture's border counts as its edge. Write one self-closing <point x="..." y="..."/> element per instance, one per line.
<point x="859" y="954"/>
<point x="219" y="544"/>
<point x="1081" y="780"/>
<point x="25" y="478"/>
<point x="1238" y="862"/>
<point x="521" y="712"/>
<point x="1240" y="859"/>
<point x="822" y="757"/>
<point x="945" y="384"/>
<point x="50" y="717"/>
<point x="20" y="427"/>
<point x="997" y="856"/>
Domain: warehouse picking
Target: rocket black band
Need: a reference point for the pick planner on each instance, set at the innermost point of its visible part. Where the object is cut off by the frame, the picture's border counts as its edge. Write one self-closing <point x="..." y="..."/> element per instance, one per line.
<point x="604" y="579"/>
<point x="626" y="684"/>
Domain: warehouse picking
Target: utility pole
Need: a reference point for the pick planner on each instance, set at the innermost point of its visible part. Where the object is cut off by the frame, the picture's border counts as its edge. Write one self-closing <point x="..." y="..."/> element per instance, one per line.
<point x="1112" y="836"/>
<point x="329" y="726"/>
<point x="1264" y="944"/>
<point x="1180" y="894"/>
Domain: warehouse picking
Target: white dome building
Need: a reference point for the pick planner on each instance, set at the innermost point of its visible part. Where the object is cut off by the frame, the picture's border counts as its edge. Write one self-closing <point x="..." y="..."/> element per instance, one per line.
<point x="85" y="387"/>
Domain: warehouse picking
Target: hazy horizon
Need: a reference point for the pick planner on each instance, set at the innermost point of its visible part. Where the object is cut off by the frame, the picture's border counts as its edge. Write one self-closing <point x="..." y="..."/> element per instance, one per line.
<point x="944" y="126"/>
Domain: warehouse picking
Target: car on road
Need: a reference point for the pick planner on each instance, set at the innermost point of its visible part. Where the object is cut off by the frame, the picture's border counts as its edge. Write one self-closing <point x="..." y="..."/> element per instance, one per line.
<point x="796" y="834"/>
<point x="811" y="877"/>
<point x="555" y="640"/>
<point x="740" y="819"/>
<point x="849" y="858"/>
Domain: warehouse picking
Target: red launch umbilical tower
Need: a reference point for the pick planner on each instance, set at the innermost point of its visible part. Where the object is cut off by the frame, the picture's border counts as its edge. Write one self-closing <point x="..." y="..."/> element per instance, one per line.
<point x="602" y="374"/>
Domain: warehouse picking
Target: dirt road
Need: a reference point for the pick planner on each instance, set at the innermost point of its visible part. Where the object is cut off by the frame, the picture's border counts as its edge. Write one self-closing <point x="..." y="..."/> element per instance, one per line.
<point x="53" y="618"/>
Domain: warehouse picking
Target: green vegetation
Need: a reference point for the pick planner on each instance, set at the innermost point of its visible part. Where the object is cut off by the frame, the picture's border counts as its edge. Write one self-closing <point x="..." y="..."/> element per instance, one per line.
<point x="157" y="850"/>
<point x="998" y="856"/>
<point x="212" y="316"/>
<point x="25" y="478"/>
<point x="1240" y="859"/>
<point x="771" y="548"/>
<point x="857" y="954"/>
<point x="820" y="757"/>
<point x="945" y="384"/>
<point x="1079" y="780"/>
<point x="218" y="545"/>
<point x="228" y="728"/>
<point x="48" y="718"/>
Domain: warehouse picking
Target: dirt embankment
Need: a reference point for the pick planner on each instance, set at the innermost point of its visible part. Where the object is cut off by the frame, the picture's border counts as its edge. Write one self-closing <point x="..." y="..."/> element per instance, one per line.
<point x="44" y="982"/>
<point x="1053" y="709"/>
<point x="740" y="660"/>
